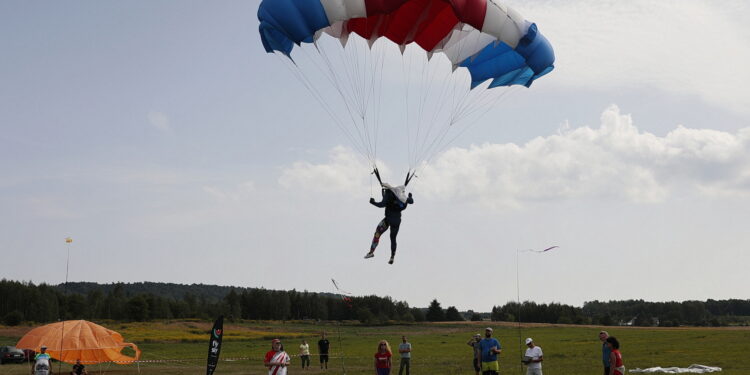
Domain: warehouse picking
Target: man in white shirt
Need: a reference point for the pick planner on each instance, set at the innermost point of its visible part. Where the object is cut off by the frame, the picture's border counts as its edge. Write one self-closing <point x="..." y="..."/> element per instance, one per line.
<point x="405" y="350"/>
<point x="533" y="358"/>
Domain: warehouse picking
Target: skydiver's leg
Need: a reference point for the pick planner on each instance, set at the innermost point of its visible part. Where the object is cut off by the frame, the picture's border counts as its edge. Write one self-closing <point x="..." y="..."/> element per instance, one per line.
<point x="381" y="228"/>
<point x="394" y="233"/>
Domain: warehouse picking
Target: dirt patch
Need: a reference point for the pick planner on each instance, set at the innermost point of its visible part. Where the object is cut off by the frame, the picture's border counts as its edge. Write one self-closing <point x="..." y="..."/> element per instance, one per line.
<point x="15" y="332"/>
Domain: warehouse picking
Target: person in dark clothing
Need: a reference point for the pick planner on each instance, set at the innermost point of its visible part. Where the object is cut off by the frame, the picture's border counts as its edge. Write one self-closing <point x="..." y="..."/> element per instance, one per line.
<point x="79" y="369"/>
<point x="394" y="201"/>
<point x="323" y="345"/>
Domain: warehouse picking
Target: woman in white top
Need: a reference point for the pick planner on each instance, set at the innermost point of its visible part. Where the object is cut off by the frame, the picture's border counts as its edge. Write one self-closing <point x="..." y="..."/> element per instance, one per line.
<point x="304" y="354"/>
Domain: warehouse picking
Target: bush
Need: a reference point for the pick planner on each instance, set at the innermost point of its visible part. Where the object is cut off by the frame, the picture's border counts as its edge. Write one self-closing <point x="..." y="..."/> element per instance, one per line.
<point x="13" y="318"/>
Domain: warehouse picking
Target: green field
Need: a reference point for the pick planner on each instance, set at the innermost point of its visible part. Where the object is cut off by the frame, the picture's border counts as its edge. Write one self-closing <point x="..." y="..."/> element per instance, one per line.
<point x="437" y="348"/>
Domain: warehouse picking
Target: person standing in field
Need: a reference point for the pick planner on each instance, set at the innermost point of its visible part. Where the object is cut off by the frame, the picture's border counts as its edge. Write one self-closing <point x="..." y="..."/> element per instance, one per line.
<point x="383" y="358"/>
<point x="42" y="362"/>
<point x="79" y="369"/>
<point x="615" y="358"/>
<point x="490" y="348"/>
<point x="477" y="351"/>
<point x="605" y="350"/>
<point x="405" y="350"/>
<point x="277" y="360"/>
<point x="323" y="346"/>
<point x="533" y="358"/>
<point x="304" y="354"/>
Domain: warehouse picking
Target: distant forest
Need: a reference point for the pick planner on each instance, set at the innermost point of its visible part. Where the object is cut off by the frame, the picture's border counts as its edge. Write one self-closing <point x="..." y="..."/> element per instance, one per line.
<point x="26" y="302"/>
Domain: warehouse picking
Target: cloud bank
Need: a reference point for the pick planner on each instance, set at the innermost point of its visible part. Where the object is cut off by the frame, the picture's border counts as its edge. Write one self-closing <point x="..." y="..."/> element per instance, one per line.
<point x="615" y="161"/>
<point x="342" y="173"/>
<point x="687" y="47"/>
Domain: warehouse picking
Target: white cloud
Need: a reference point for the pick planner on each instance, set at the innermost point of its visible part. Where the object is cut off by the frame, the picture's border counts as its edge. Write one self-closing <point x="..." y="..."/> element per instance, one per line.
<point x="160" y="121"/>
<point x="614" y="161"/>
<point x="687" y="47"/>
<point x="345" y="172"/>
<point x="237" y="193"/>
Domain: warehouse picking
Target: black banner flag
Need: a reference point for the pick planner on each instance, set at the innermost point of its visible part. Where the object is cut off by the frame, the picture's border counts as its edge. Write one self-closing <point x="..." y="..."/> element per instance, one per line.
<point x="214" y="345"/>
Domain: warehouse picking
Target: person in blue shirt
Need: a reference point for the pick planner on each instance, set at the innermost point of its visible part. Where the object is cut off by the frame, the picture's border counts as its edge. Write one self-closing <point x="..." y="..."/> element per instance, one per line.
<point x="490" y="348"/>
<point x="603" y="335"/>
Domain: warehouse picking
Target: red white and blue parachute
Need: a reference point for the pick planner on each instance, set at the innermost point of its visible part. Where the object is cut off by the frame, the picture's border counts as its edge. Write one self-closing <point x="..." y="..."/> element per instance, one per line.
<point x="493" y="42"/>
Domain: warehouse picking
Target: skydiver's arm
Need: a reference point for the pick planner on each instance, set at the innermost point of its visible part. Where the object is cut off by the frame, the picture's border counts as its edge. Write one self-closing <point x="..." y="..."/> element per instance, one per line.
<point x="380" y="204"/>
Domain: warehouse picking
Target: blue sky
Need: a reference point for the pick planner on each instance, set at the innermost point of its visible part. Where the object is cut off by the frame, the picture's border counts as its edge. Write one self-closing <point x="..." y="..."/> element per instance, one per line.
<point x="171" y="147"/>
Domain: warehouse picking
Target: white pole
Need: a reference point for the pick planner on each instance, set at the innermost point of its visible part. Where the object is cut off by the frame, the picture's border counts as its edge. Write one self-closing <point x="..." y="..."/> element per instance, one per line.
<point x="518" y="300"/>
<point x="68" y="241"/>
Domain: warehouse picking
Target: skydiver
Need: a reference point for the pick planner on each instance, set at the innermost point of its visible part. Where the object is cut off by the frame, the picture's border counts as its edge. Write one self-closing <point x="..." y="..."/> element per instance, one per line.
<point x="394" y="200"/>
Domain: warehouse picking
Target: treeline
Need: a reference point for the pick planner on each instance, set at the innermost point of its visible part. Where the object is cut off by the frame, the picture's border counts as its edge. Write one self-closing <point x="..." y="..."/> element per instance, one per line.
<point x="630" y="313"/>
<point x="27" y="302"/>
<point x="43" y="303"/>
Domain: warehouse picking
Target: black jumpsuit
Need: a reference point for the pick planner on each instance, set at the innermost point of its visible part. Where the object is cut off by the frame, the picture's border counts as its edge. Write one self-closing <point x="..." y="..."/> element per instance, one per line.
<point x="393" y="207"/>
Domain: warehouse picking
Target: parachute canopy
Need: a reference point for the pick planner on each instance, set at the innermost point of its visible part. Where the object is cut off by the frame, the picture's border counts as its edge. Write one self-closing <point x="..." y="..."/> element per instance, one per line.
<point x="486" y="37"/>
<point x="79" y="339"/>
<point x="441" y="56"/>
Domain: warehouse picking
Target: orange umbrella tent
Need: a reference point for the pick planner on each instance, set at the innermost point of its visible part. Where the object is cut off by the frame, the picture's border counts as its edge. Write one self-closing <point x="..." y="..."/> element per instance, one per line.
<point x="79" y="339"/>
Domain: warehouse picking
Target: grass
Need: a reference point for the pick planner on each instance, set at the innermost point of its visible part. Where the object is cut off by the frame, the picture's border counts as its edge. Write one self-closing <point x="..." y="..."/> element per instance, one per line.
<point x="438" y="348"/>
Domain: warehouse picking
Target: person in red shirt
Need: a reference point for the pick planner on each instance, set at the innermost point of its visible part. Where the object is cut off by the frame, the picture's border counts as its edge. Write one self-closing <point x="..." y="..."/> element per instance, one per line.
<point x="383" y="358"/>
<point x="276" y="359"/>
<point x="615" y="358"/>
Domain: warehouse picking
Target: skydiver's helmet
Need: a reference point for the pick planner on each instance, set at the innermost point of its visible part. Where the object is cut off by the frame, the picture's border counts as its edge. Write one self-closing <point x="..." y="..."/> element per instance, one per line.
<point x="398" y="191"/>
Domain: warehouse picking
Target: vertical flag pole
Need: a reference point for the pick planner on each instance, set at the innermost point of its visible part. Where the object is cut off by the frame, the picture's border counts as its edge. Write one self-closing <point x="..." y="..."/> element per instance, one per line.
<point x="518" y="296"/>
<point x="336" y="290"/>
<point x="68" y="241"/>
<point x="518" y="318"/>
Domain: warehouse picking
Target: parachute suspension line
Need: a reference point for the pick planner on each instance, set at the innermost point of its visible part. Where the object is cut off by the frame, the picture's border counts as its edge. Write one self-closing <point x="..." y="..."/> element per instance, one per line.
<point x="431" y="73"/>
<point x="487" y="102"/>
<point x="467" y="107"/>
<point x="435" y="124"/>
<point x="373" y="93"/>
<point x="421" y="94"/>
<point x="456" y="108"/>
<point x="332" y="77"/>
<point x="407" y="78"/>
<point x="289" y="63"/>
<point x="367" y="89"/>
<point x="425" y="89"/>
<point x="348" y="100"/>
<point x="450" y="81"/>
<point x="379" y="96"/>
<point x="444" y="144"/>
<point x="354" y="60"/>
<point x="473" y="122"/>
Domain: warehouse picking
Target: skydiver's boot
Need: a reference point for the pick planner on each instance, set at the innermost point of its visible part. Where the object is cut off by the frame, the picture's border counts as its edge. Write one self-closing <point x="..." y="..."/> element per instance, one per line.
<point x="370" y="255"/>
<point x="391" y="260"/>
